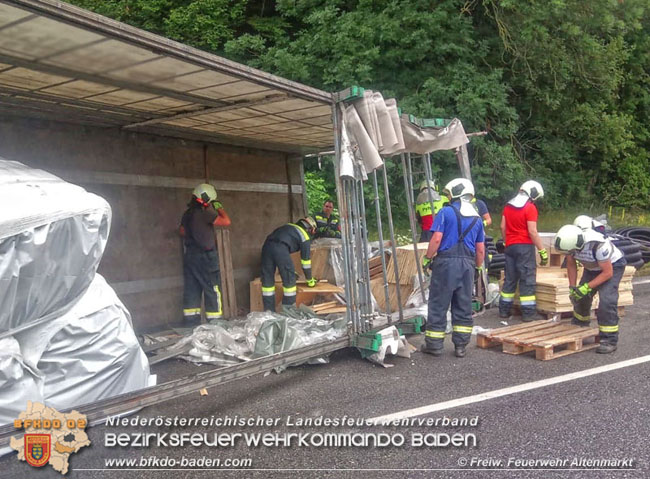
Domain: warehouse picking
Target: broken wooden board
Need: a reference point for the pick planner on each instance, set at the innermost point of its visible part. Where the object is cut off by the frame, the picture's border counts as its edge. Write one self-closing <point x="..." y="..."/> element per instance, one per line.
<point x="228" y="297"/>
<point x="549" y="339"/>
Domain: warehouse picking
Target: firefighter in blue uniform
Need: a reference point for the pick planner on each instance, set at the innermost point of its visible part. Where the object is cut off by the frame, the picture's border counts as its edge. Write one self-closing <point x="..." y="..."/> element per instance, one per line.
<point x="455" y="251"/>
<point x="201" y="274"/>
<point x="604" y="265"/>
<point x="276" y="252"/>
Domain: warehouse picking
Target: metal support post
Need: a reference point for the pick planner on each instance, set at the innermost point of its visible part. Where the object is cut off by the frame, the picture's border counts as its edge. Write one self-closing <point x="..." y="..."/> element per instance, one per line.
<point x="366" y="305"/>
<point x="343" y="213"/>
<point x="391" y="230"/>
<point x="381" y="242"/>
<point x="413" y="228"/>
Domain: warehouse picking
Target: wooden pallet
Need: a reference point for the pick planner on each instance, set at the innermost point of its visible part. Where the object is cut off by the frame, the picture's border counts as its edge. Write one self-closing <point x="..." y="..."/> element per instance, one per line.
<point x="549" y="339"/>
<point x="569" y="314"/>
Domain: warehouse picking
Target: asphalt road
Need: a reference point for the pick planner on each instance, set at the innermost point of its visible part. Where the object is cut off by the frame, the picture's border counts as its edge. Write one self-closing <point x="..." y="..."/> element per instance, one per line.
<point x="557" y="430"/>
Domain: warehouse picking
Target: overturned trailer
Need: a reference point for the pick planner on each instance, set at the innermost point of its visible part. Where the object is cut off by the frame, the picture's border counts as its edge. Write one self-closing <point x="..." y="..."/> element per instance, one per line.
<point x="140" y="120"/>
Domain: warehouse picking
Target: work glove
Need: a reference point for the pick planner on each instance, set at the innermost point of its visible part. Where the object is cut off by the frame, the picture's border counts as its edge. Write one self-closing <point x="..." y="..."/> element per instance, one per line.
<point x="311" y="282"/>
<point x="543" y="256"/>
<point x="217" y="205"/>
<point x="580" y="292"/>
<point x="426" y="263"/>
<point x="479" y="270"/>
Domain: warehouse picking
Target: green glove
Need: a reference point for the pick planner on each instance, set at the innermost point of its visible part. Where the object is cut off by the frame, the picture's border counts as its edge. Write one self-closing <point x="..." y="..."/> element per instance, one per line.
<point x="311" y="282"/>
<point x="580" y="292"/>
<point x="543" y="256"/>
<point x="479" y="269"/>
<point x="217" y="205"/>
<point x="426" y="262"/>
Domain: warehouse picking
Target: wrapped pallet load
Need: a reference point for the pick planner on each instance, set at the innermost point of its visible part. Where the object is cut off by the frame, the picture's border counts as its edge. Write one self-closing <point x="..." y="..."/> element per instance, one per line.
<point x="69" y="339"/>
<point x="52" y="236"/>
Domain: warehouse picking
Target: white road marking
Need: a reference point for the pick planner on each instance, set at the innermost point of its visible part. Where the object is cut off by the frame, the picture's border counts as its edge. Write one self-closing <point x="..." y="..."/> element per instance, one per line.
<point x="419" y="411"/>
<point x="640" y="281"/>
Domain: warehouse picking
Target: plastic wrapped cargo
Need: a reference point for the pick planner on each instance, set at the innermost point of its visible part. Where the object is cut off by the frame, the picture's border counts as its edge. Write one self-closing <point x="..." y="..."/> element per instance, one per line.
<point x="51" y="241"/>
<point x="89" y="353"/>
<point x="19" y="382"/>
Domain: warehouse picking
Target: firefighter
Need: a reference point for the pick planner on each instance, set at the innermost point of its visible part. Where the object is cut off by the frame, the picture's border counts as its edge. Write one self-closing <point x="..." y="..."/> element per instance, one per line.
<point x="456" y="249"/>
<point x="425" y="210"/>
<point x="519" y="232"/>
<point x="483" y="211"/>
<point x="201" y="275"/>
<point x="327" y="223"/>
<point x="585" y="222"/>
<point x="276" y="252"/>
<point x="604" y="265"/>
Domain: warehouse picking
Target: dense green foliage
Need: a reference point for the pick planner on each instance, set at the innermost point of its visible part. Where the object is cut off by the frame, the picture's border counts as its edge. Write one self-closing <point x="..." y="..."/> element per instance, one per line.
<point x="562" y="86"/>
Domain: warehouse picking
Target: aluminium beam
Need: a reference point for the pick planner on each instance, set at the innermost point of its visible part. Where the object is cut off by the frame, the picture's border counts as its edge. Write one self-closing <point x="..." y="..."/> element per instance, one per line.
<point x="85" y="104"/>
<point x="103" y="80"/>
<point x="190" y="114"/>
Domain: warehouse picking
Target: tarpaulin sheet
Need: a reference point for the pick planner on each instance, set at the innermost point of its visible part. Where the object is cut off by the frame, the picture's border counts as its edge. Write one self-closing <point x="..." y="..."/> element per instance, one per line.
<point x="52" y="238"/>
<point x="89" y="353"/>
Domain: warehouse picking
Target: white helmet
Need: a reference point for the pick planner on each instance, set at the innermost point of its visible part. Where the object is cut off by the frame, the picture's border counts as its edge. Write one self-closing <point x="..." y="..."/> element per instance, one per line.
<point x="583" y="222"/>
<point x="533" y="189"/>
<point x="458" y="188"/>
<point x="569" y="238"/>
<point x="205" y="193"/>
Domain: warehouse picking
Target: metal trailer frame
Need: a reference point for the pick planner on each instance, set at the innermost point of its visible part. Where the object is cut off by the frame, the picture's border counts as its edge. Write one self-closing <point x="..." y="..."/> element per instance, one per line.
<point x="362" y="320"/>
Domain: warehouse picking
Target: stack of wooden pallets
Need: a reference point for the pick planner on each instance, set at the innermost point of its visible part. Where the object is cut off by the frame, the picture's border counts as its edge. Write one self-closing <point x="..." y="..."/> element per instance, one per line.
<point x="553" y="291"/>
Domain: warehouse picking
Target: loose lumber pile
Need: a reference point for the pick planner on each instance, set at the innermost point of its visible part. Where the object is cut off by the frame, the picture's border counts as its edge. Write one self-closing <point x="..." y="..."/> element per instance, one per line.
<point x="328" y="307"/>
<point x="304" y="294"/>
<point x="552" y="290"/>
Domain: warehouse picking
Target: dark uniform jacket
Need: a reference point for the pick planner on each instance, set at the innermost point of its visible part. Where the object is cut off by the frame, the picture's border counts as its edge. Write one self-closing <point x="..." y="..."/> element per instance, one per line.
<point x="297" y="239"/>
<point x="327" y="227"/>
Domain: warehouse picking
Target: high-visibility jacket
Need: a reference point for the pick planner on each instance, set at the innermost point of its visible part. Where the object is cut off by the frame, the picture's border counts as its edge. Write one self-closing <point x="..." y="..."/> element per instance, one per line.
<point x="327" y="227"/>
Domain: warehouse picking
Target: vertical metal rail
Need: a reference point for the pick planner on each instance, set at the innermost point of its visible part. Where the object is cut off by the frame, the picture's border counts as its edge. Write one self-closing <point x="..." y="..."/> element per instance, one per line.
<point x="409" y="203"/>
<point x="356" y="249"/>
<point x="350" y="240"/>
<point x="410" y="176"/>
<point x="391" y="230"/>
<point x="427" y="173"/>
<point x="366" y="304"/>
<point x="344" y="218"/>
<point x="380" y="231"/>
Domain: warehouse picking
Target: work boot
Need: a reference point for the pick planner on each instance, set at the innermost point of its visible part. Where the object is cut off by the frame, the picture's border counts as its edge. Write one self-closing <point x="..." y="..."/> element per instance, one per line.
<point x="606" y="348"/>
<point x="503" y="316"/>
<point x="577" y="322"/>
<point x="527" y="319"/>
<point x="460" y="351"/>
<point x="433" y="352"/>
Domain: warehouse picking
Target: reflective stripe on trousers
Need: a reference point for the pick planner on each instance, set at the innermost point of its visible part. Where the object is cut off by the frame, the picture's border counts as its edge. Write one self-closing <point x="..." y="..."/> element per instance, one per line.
<point x="452" y="280"/>
<point x="607" y="312"/>
<point x="520" y="270"/>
